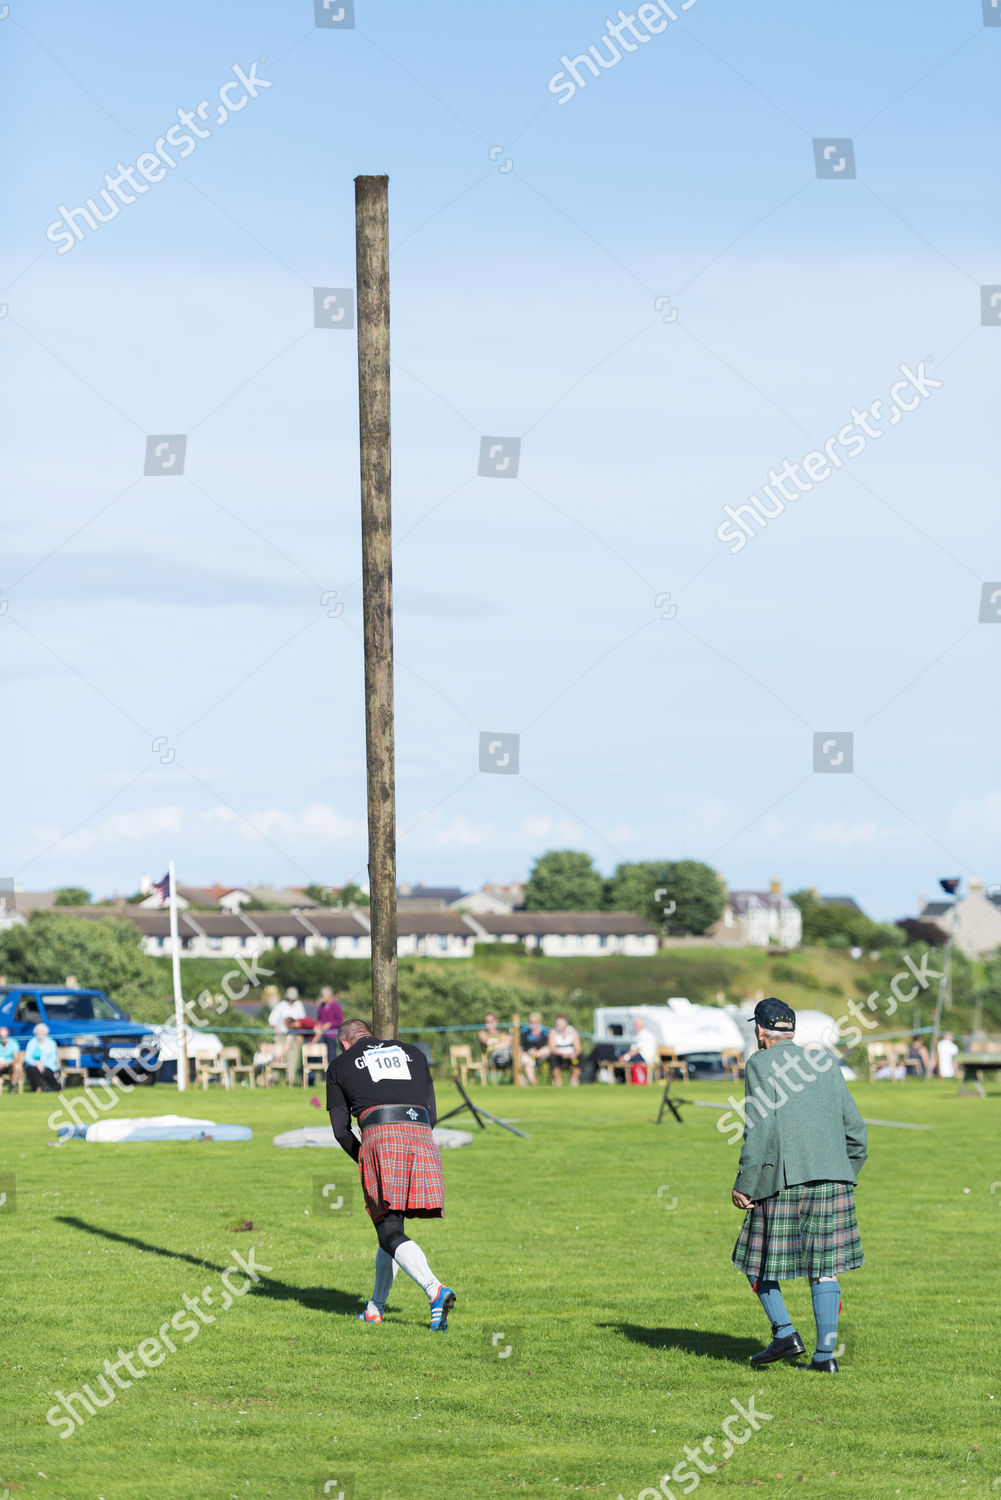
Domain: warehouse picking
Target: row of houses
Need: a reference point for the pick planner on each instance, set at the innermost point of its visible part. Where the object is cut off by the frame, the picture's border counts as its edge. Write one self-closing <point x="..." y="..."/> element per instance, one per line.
<point x="347" y="934"/>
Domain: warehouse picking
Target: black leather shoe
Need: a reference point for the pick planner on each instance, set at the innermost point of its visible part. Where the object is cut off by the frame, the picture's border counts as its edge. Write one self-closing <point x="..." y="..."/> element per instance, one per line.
<point x="830" y="1365"/>
<point x="784" y="1348"/>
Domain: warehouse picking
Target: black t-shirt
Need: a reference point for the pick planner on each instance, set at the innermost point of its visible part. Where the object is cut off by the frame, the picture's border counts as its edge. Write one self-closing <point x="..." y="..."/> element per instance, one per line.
<point x="373" y="1073"/>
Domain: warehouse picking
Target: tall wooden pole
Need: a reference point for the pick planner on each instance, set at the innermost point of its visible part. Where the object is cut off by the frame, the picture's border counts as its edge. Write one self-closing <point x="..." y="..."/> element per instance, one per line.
<point x="372" y="256"/>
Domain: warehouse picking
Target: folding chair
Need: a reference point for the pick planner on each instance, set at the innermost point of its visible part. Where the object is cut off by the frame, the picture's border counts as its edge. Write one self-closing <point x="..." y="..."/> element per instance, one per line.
<point x="209" y="1066"/>
<point x="461" y="1060"/>
<point x="69" y="1062"/>
<point x="668" y="1062"/>
<point x="233" y="1063"/>
<point x="316" y="1058"/>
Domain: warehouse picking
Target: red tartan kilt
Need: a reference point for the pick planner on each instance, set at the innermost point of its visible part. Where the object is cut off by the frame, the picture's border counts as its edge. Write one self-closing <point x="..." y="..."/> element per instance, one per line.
<point x="401" y="1171"/>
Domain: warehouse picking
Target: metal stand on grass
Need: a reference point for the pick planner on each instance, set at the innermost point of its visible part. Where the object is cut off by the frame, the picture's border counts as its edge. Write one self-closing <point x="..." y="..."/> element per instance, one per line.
<point x="668" y="1103"/>
<point x="467" y="1103"/>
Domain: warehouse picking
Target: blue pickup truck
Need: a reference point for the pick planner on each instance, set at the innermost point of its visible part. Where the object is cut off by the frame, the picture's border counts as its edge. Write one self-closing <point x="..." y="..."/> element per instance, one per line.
<point x="87" y="1019"/>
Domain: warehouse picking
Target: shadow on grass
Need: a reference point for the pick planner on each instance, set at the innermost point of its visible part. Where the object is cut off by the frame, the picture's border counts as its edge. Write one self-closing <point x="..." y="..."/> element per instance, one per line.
<point x="691" y="1340"/>
<point x="317" y="1298"/>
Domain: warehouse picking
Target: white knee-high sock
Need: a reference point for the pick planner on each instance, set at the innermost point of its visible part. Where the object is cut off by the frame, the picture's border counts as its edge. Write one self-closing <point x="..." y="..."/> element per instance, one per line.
<point x="411" y="1257"/>
<point x="385" y="1274"/>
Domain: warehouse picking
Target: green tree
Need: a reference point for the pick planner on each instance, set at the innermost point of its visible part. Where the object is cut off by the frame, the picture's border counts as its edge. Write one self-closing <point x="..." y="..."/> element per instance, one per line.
<point x="353" y="895"/>
<point x="348" y="895"/>
<point x="694" y="889"/>
<point x="634" y="887"/>
<point x="105" y="954"/>
<point x="843" y="926"/>
<point x="72" y="895"/>
<point x="564" y="880"/>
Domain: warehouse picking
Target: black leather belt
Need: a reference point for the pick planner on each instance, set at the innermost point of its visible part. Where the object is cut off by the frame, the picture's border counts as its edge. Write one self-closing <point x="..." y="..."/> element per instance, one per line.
<point x="396" y="1114"/>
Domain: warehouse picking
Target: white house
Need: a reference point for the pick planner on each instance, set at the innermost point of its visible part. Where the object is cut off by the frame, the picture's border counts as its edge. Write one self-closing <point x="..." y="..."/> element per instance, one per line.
<point x="9" y="914"/>
<point x="973" y="922"/>
<point x="756" y="919"/>
<point x="345" y="934"/>
<point x="482" y="903"/>
<point x="434" y="934"/>
<point x="571" y="934"/>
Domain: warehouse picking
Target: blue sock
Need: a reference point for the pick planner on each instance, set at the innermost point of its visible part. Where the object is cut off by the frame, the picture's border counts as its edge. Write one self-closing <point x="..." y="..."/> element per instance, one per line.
<point x="826" y="1306"/>
<point x="771" y="1300"/>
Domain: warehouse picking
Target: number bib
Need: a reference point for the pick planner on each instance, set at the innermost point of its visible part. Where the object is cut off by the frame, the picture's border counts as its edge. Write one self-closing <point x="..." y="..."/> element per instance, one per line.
<point x="385" y="1062"/>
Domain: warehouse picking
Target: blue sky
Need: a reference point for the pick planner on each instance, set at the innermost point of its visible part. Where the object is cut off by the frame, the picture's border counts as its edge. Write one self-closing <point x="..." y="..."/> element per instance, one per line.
<point x="533" y="245"/>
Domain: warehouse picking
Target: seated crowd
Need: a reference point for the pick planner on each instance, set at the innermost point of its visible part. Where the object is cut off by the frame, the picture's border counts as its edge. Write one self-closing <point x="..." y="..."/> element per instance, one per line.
<point x="560" y="1046"/>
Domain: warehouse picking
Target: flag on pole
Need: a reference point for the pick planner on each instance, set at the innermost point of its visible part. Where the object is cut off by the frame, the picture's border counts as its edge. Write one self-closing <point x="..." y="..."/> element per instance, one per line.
<point x="170" y="880"/>
<point x="161" y="889"/>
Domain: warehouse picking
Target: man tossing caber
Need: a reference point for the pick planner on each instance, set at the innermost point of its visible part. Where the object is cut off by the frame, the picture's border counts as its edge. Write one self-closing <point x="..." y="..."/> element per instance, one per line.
<point x="387" y="1086"/>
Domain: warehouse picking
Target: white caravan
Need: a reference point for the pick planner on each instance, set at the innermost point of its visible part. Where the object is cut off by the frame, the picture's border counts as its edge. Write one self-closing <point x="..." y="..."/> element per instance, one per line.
<point x="698" y="1033"/>
<point x="814" y="1028"/>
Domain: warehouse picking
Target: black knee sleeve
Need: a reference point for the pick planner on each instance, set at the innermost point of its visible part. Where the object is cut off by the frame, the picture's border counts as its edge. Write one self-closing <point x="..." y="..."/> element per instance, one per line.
<point x="390" y="1232"/>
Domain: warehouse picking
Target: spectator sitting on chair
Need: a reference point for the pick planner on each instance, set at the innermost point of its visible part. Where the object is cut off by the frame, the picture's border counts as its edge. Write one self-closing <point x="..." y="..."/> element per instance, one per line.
<point x="329" y="1017"/>
<point x="496" y="1044"/>
<point x="534" y="1038"/>
<point x="10" y="1058"/>
<point x="564" y="1050"/>
<point x="41" y="1062"/>
<point x="917" y="1052"/>
<point x="264" y="1057"/>
<point x="644" y="1048"/>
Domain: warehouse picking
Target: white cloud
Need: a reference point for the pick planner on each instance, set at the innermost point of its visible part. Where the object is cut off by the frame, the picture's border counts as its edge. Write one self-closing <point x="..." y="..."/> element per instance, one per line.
<point x="315" y="820"/>
<point x="983" y="814"/>
<point x="714" y="810"/>
<point x="558" y="831"/>
<point x="122" y="828"/>
<point x="461" y="831"/>
<point x="845" y="834"/>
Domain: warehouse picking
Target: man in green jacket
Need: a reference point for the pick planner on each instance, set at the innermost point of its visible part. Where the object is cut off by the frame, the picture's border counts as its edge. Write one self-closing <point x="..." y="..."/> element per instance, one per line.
<point x="804" y="1143"/>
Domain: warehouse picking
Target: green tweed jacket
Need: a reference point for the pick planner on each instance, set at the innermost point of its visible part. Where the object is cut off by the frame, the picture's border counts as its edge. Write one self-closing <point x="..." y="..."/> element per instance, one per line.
<point x="800" y="1122"/>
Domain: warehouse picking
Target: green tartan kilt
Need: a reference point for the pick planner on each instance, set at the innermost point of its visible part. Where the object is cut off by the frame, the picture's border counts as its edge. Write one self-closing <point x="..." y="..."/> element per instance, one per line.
<point x="806" y="1230"/>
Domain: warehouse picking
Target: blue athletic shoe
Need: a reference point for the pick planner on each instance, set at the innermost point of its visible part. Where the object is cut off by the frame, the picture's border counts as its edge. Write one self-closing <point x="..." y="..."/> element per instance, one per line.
<point x="369" y="1317"/>
<point x="441" y="1307"/>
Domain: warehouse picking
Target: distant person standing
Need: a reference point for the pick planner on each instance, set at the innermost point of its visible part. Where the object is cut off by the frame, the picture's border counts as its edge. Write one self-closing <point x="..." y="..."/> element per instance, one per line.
<point x="917" y="1053"/>
<point x="802" y="1152"/>
<point x="947" y="1051"/>
<point x="329" y="1018"/>
<point x="387" y="1087"/>
<point x="41" y="1062"/>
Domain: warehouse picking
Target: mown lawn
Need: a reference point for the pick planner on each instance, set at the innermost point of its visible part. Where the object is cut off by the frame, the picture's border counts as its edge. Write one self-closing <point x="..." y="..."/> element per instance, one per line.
<point x="598" y="1251"/>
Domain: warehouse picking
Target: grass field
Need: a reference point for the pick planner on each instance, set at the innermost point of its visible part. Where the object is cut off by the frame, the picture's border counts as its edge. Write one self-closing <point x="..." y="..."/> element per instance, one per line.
<point x="598" y="1251"/>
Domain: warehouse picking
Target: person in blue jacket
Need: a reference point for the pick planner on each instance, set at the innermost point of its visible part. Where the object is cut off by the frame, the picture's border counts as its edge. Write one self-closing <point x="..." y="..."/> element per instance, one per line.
<point x="41" y="1062"/>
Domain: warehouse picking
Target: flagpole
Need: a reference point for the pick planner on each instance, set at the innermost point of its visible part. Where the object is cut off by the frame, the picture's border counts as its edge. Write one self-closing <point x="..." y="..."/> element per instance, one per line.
<point x="175" y="958"/>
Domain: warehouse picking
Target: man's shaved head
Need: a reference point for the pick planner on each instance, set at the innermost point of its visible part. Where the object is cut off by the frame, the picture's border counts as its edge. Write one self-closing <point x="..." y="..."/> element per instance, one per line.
<point x="352" y="1031"/>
